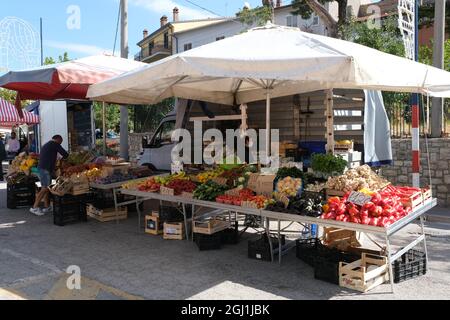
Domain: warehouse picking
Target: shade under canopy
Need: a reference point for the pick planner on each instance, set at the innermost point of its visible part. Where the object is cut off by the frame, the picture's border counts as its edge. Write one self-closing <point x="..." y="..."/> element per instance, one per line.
<point x="67" y="80"/>
<point x="242" y="68"/>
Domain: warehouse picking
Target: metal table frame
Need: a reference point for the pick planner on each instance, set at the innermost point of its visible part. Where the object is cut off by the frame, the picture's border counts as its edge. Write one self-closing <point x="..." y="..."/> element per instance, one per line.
<point x="386" y="233"/>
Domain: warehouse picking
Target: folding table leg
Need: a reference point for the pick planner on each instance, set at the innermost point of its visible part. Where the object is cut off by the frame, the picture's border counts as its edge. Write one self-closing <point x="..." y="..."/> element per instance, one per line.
<point x="139" y="214"/>
<point x="391" y="273"/>
<point x="269" y="239"/>
<point x="116" y="205"/>
<point x="424" y="241"/>
<point x="280" y="246"/>
<point x="185" y="222"/>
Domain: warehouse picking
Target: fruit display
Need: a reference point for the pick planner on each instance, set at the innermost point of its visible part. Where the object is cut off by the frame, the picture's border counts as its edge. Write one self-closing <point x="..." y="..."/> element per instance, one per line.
<point x="115" y="178"/>
<point x="164" y="180"/>
<point x="208" y="175"/>
<point x="289" y="186"/>
<point x="404" y="193"/>
<point x="258" y="202"/>
<point x="180" y="186"/>
<point x="149" y="185"/>
<point x="23" y="163"/>
<point x="209" y="191"/>
<point x="357" y="179"/>
<point x="383" y="210"/>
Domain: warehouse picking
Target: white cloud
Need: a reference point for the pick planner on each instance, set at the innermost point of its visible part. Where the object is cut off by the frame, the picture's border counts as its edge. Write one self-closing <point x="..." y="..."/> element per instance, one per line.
<point x="77" y="47"/>
<point x="166" y="8"/>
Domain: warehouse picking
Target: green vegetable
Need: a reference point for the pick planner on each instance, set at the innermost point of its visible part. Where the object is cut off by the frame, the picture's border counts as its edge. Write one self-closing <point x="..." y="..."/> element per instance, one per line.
<point x="209" y="191"/>
<point x="328" y="163"/>
<point x="289" y="172"/>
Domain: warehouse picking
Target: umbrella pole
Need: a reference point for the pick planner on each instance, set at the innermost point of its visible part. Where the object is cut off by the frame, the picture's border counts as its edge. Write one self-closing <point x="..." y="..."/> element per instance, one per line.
<point x="104" y="127"/>
<point x="330" y="120"/>
<point x="268" y="125"/>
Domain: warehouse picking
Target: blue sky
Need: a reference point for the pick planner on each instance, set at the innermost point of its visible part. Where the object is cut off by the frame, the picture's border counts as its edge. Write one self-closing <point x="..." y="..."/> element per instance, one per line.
<point x="97" y="25"/>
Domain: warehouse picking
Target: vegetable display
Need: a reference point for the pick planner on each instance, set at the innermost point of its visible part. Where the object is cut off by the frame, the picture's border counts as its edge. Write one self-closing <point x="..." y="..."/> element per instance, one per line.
<point x="356" y="179"/>
<point x="328" y="163"/>
<point x="383" y="210"/>
<point x="300" y="205"/>
<point x="209" y="191"/>
<point x="289" y="172"/>
<point x="243" y="195"/>
<point x="180" y="186"/>
<point x="289" y="186"/>
<point x="150" y="185"/>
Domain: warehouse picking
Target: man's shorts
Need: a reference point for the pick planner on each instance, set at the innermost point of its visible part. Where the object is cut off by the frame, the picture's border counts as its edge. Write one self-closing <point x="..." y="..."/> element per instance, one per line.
<point x="45" y="177"/>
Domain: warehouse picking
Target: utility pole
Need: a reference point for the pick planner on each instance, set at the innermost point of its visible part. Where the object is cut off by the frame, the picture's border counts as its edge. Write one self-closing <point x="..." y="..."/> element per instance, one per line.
<point x="437" y="107"/>
<point x="42" y="46"/>
<point x="124" y="54"/>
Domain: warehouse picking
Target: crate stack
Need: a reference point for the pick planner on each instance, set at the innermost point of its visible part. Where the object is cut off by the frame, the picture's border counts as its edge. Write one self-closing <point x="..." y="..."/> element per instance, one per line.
<point x="69" y="208"/>
<point x="20" y="195"/>
<point x="259" y="249"/>
<point x="212" y="233"/>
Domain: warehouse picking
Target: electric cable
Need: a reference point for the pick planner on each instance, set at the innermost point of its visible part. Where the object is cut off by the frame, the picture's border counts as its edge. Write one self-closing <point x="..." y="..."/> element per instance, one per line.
<point x="117" y="30"/>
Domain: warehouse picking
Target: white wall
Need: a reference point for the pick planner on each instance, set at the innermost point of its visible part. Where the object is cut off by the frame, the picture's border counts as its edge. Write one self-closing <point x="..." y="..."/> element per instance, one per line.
<point x="202" y="36"/>
<point x="281" y="18"/>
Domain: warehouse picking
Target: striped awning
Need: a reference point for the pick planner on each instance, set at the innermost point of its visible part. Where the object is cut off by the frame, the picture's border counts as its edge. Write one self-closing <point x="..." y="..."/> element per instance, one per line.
<point x="10" y="116"/>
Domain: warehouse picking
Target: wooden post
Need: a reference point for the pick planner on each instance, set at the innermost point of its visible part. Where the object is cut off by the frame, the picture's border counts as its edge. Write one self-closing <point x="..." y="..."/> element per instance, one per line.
<point x="104" y="127"/>
<point x="330" y="120"/>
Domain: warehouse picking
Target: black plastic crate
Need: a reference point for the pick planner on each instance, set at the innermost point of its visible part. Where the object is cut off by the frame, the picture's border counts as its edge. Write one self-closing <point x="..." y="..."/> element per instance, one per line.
<point x="68" y="209"/>
<point x="20" y="195"/>
<point x="260" y="249"/>
<point x="206" y="242"/>
<point x="326" y="268"/>
<point x="410" y="265"/>
<point x="231" y="235"/>
<point x="306" y="249"/>
<point x="170" y="214"/>
<point x="19" y="202"/>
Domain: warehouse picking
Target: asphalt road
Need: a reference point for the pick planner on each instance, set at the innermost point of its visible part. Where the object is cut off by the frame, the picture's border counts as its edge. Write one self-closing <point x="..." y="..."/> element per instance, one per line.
<point x="117" y="262"/>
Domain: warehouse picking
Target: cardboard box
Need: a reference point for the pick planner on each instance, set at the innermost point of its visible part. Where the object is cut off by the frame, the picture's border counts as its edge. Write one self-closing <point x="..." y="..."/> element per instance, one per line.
<point x="261" y="183"/>
<point x="153" y="225"/>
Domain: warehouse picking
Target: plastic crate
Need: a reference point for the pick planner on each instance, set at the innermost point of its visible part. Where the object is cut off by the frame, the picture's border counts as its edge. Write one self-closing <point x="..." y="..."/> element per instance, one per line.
<point x="260" y="249"/>
<point x="307" y="249"/>
<point x="20" y="195"/>
<point x="170" y="214"/>
<point x="326" y="267"/>
<point x="410" y="265"/>
<point x="68" y="209"/>
<point x="231" y="235"/>
<point x="206" y="242"/>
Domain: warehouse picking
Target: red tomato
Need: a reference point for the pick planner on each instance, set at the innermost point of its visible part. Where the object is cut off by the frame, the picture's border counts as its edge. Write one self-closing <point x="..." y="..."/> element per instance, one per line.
<point x="365" y="220"/>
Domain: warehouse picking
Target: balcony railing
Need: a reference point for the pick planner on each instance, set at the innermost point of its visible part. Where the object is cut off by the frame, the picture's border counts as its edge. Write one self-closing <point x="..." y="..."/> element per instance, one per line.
<point x="157" y="49"/>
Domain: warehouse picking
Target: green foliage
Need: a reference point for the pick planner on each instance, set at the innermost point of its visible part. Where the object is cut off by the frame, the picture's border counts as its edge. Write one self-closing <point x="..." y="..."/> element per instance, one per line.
<point x="8" y="95"/>
<point x="387" y="38"/>
<point x="303" y="9"/>
<point x="328" y="163"/>
<point x="51" y="60"/>
<point x="258" y="15"/>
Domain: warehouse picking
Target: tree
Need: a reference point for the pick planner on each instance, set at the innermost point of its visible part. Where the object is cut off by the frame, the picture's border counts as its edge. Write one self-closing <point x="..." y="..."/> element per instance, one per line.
<point x="258" y="15"/>
<point x="8" y="95"/>
<point x="51" y="60"/>
<point x="305" y="8"/>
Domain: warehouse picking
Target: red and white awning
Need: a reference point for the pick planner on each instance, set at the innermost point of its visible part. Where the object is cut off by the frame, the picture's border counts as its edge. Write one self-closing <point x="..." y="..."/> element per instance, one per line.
<point x="10" y="116"/>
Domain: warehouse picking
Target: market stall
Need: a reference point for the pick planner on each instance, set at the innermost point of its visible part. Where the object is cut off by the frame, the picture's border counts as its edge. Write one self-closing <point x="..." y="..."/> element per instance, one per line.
<point x="242" y="69"/>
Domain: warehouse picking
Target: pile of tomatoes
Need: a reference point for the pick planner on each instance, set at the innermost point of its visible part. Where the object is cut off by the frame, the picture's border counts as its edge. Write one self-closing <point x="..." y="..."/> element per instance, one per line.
<point x="244" y="195"/>
<point x="150" y="185"/>
<point x="181" y="185"/>
<point x="383" y="210"/>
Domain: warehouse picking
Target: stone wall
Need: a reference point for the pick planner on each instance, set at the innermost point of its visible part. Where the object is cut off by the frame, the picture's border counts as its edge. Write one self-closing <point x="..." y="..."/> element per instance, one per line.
<point x="401" y="172"/>
<point x="135" y="144"/>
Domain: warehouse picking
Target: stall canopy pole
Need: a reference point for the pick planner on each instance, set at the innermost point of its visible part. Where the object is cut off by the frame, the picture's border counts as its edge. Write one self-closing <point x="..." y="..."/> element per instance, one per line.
<point x="330" y="120"/>
<point x="415" y="142"/>
<point x="104" y="127"/>
<point x="268" y="123"/>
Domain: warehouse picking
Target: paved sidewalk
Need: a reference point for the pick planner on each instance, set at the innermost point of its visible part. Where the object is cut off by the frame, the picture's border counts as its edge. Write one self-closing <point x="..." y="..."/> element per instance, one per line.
<point x="117" y="262"/>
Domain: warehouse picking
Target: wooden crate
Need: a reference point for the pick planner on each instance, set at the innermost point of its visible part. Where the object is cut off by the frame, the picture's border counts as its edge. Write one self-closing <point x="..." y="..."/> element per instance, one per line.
<point x="418" y="198"/>
<point x="220" y="181"/>
<point x="106" y="215"/>
<point x="153" y="225"/>
<point x="340" y="238"/>
<point x="80" y="188"/>
<point x="173" y="231"/>
<point x="364" y="274"/>
<point x="210" y="226"/>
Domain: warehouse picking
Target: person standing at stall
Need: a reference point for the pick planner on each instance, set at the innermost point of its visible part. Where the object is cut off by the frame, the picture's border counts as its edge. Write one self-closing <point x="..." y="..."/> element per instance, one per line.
<point x="2" y="156"/>
<point x="13" y="145"/>
<point x="47" y="164"/>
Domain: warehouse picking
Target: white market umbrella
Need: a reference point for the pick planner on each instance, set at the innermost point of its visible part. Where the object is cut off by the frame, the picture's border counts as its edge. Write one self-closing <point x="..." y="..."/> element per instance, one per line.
<point x="266" y="62"/>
